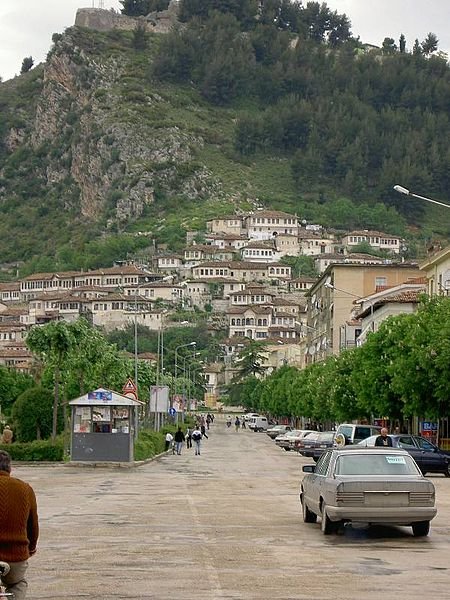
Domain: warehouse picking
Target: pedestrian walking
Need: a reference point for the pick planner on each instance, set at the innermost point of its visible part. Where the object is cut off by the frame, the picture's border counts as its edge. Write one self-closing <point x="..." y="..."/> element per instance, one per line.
<point x="203" y="431"/>
<point x="237" y="424"/>
<point x="169" y="440"/>
<point x="7" y="435"/>
<point x="197" y="439"/>
<point x="188" y="438"/>
<point x="19" y="527"/>
<point x="179" y="439"/>
<point x="243" y="425"/>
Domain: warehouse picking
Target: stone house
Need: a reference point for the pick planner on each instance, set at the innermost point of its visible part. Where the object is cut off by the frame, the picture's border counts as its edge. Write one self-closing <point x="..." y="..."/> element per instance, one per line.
<point x="376" y="239"/>
<point x="268" y="224"/>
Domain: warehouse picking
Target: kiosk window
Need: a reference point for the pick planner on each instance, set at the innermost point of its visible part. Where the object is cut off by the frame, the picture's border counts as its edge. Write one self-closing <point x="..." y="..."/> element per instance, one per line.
<point x="101" y="419"/>
<point x="121" y="420"/>
<point x="82" y="422"/>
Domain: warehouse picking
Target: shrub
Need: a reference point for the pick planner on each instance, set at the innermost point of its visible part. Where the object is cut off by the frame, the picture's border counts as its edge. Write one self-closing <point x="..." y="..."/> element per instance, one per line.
<point x="41" y="450"/>
<point x="148" y="444"/>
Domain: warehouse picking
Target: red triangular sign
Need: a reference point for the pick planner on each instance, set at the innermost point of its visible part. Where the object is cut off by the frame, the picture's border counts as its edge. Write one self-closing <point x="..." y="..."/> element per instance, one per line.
<point x="130" y="386"/>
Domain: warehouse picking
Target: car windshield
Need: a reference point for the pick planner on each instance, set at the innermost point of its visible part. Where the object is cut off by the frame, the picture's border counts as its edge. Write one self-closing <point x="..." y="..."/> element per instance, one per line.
<point x="375" y="464"/>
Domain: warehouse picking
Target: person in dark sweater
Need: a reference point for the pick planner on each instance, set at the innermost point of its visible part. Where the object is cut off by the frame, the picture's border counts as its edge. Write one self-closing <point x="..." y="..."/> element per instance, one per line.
<point x="179" y="439"/>
<point x="383" y="439"/>
<point x="19" y="527"/>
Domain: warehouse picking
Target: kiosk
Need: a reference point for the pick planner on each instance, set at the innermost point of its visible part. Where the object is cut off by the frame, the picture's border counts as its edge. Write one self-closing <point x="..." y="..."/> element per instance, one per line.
<point x="104" y="425"/>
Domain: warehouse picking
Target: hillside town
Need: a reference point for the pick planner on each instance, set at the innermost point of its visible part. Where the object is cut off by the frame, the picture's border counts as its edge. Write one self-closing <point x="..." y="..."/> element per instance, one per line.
<point x="238" y="274"/>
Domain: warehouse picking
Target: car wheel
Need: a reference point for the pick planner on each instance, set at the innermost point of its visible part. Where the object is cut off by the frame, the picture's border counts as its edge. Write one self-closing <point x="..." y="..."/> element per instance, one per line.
<point x="447" y="471"/>
<point x="421" y="529"/>
<point x="327" y="525"/>
<point x="287" y="449"/>
<point x="308" y="515"/>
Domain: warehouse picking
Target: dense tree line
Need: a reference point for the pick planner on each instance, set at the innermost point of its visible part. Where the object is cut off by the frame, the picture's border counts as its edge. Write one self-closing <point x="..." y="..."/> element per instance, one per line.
<point x="361" y="120"/>
<point x="138" y="8"/>
<point x="403" y="370"/>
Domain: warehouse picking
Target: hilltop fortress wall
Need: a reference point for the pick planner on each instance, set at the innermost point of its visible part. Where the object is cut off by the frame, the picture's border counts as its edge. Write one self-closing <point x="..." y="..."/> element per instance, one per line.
<point x="107" y="20"/>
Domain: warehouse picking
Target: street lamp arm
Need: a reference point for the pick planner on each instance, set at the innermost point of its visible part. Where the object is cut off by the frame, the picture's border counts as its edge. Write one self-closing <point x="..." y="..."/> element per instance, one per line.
<point x="402" y="190"/>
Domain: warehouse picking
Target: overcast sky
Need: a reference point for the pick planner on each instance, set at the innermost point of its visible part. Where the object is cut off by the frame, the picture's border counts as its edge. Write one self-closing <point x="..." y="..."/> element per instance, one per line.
<point x="26" y="26"/>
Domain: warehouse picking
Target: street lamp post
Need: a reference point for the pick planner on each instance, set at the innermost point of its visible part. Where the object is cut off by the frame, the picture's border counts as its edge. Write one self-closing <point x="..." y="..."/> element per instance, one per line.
<point x="402" y="190"/>
<point x="176" y="360"/>
<point x="184" y="359"/>
<point x="136" y="336"/>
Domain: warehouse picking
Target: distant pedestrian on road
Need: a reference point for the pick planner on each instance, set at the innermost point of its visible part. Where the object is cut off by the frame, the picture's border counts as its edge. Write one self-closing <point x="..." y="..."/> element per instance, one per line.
<point x="237" y="424"/>
<point x="19" y="527"/>
<point x="188" y="438"/>
<point x="169" y="440"/>
<point x="244" y="426"/>
<point x="179" y="439"/>
<point x="203" y="431"/>
<point x="197" y="439"/>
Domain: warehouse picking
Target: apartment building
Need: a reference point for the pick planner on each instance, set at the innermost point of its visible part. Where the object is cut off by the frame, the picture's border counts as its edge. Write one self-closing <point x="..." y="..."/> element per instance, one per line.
<point x="436" y="268"/>
<point x="331" y="300"/>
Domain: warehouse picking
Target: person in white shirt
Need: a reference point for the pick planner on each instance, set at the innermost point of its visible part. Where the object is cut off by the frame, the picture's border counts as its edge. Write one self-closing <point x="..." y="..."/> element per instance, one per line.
<point x="169" y="440"/>
<point x="197" y="438"/>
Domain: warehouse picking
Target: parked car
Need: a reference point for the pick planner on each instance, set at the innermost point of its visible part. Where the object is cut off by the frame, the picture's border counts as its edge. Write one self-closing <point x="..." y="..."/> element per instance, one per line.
<point x="370" y="485"/>
<point x="286" y="440"/>
<point x="429" y="457"/>
<point x="272" y="432"/>
<point x="315" y="446"/>
<point x="258" y="423"/>
<point x="248" y="416"/>
<point x="299" y="444"/>
<point x="352" y="433"/>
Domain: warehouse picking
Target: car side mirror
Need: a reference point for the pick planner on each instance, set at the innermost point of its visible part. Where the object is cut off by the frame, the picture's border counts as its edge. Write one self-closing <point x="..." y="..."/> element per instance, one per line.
<point x="309" y="468"/>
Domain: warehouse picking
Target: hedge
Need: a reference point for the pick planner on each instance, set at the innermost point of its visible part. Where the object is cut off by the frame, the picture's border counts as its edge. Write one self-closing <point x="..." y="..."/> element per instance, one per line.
<point x="39" y="450"/>
<point x="149" y="443"/>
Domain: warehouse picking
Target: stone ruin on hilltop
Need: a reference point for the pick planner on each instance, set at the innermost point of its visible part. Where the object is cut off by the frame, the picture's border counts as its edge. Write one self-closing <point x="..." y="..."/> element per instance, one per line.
<point x="107" y="20"/>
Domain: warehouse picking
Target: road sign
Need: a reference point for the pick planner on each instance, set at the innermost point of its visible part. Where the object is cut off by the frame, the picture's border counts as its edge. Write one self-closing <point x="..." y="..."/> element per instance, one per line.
<point x="130" y="386"/>
<point x="172" y="411"/>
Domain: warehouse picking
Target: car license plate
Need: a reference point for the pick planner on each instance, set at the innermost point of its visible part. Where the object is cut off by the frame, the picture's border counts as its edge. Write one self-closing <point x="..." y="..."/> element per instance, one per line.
<point x="386" y="498"/>
<point x="322" y="446"/>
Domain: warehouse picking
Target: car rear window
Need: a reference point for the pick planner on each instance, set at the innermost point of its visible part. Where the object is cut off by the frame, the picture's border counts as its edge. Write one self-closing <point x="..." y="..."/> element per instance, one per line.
<point x="375" y="464"/>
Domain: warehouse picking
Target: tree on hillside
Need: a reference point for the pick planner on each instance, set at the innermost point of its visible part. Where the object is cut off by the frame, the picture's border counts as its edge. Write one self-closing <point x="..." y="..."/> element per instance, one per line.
<point x="429" y="44"/>
<point x="27" y="64"/>
<point x="140" y="37"/>
<point x="417" y="48"/>
<point x="250" y="361"/>
<point x="402" y="44"/>
<point x="244" y="10"/>
<point x="389" y="46"/>
<point x="137" y="8"/>
<point x="301" y="266"/>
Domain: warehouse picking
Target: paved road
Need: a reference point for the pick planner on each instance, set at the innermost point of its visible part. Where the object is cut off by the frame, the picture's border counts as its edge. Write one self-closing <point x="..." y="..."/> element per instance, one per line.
<point x="226" y="524"/>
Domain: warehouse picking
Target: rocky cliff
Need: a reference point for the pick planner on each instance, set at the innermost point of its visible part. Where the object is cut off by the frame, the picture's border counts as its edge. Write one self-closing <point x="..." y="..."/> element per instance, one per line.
<point x="106" y="141"/>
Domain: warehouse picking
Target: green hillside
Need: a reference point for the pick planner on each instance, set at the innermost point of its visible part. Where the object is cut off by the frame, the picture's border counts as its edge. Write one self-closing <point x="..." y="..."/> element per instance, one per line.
<point x="126" y="132"/>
